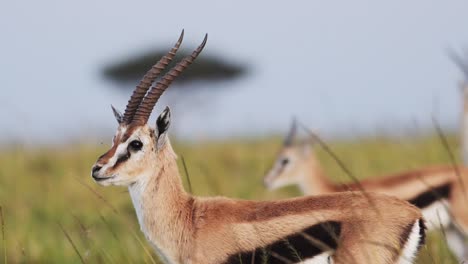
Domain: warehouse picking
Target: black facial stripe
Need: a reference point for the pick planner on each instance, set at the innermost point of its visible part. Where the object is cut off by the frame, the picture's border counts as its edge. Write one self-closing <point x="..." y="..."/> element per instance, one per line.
<point x="430" y="196"/>
<point x="295" y="247"/>
<point x="122" y="158"/>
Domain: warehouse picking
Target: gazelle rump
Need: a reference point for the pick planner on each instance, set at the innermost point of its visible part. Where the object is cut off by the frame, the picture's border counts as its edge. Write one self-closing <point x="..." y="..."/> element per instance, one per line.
<point x="347" y="227"/>
<point x="436" y="190"/>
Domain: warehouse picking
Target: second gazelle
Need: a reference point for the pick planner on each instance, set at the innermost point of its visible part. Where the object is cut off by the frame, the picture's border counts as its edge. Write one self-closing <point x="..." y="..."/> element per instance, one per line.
<point x="437" y="191"/>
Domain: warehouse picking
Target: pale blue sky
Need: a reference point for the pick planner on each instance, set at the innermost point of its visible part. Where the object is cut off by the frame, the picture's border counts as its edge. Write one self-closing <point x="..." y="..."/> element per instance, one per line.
<point x="340" y="66"/>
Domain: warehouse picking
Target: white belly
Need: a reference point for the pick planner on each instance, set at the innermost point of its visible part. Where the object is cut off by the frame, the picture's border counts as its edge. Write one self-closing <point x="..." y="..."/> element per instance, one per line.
<point x="323" y="258"/>
<point x="437" y="215"/>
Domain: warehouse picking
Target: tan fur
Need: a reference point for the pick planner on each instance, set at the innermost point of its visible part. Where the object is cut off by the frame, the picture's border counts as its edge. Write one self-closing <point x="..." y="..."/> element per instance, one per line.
<point x="188" y="229"/>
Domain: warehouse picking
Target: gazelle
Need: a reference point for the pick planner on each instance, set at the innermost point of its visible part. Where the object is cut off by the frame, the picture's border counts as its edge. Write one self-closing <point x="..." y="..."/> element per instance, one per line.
<point x="350" y="227"/>
<point x="437" y="191"/>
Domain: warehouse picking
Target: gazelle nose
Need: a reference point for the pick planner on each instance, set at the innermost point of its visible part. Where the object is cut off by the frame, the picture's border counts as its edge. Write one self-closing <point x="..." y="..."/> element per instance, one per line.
<point x="95" y="170"/>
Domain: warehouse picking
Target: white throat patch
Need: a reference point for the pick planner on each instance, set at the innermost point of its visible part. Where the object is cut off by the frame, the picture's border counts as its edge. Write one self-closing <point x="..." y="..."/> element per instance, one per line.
<point x="136" y="191"/>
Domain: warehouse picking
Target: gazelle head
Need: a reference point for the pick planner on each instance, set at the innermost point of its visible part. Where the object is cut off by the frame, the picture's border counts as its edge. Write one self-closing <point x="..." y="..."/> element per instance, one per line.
<point x="135" y="146"/>
<point x="290" y="163"/>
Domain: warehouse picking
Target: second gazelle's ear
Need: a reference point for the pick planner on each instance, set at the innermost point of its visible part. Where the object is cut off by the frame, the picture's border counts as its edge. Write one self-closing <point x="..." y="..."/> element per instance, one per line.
<point x="117" y="114"/>
<point x="162" y="126"/>
<point x="308" y="145"/>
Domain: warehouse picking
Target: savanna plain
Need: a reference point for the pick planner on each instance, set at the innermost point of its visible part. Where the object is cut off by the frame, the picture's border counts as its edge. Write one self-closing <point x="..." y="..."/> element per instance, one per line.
<point x="52" y="211"/>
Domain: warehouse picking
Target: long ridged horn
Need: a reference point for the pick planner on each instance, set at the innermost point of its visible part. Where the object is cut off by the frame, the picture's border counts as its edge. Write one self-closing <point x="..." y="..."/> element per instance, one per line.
<point x="141" y="89"/>
<point x="288" y="140"/>
<point x="146" y="107"/>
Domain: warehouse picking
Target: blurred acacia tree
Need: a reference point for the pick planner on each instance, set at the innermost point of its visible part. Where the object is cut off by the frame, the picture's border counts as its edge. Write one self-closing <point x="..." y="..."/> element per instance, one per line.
<point x="208" y="68"/>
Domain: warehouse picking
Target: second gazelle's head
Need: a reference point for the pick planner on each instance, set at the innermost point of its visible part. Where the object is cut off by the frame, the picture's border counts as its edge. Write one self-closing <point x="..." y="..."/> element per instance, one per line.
<point x="136" y="145"/>
<point x="292" y="162"/>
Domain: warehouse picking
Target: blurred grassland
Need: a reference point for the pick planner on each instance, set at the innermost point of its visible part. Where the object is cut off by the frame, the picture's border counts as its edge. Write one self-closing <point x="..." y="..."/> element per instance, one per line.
<point x="44" y="189"/>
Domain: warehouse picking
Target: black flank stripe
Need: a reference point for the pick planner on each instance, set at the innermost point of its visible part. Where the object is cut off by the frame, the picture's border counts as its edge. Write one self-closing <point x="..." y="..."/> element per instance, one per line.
<point x="296" y="247"/>
<point x="431" y="195"/>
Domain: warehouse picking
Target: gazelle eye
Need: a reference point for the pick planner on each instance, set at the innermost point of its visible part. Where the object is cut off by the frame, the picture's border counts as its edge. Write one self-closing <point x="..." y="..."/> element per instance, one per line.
<point x="284" y="162"/>
<point x="136" y="145"/>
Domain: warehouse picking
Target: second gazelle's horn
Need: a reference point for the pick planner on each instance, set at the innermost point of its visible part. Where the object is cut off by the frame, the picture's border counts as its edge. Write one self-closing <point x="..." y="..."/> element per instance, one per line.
<point x="141" y="89"/>
<point x="146" y="107"/>
<point x="288" y="140"/>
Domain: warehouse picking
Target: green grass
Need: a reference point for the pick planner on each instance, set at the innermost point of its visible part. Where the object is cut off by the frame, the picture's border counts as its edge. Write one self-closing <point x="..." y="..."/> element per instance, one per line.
<point x="54" y="213"/>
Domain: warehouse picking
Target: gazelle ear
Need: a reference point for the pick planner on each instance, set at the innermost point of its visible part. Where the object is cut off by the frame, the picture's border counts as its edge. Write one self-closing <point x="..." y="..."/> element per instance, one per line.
<point x="308" y="145"/>
<point x="117" y="114"/>
<point x="162" y="126"/>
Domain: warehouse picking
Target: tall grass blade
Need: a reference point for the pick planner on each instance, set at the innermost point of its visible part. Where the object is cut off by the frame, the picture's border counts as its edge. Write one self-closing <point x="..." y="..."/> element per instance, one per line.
<point x="72" y="243"/>
<point x="100" y="197"/>
<point x="2" y="219"/>
<point x="187" y="174"/>
<point x="293" y="249"/>
<point x="114" y="234"/>
<point x="340" y="164"/>
<point x="108" y="226"/>
<point x="144" y="247"/>
<point x="281" y="258"/>
<point x="446" y="145"/>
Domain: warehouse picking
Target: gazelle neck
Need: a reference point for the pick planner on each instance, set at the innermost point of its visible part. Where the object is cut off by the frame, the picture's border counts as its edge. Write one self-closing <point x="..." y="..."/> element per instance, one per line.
<point x="163" y="208"/>
<point x="314" y="180"/>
